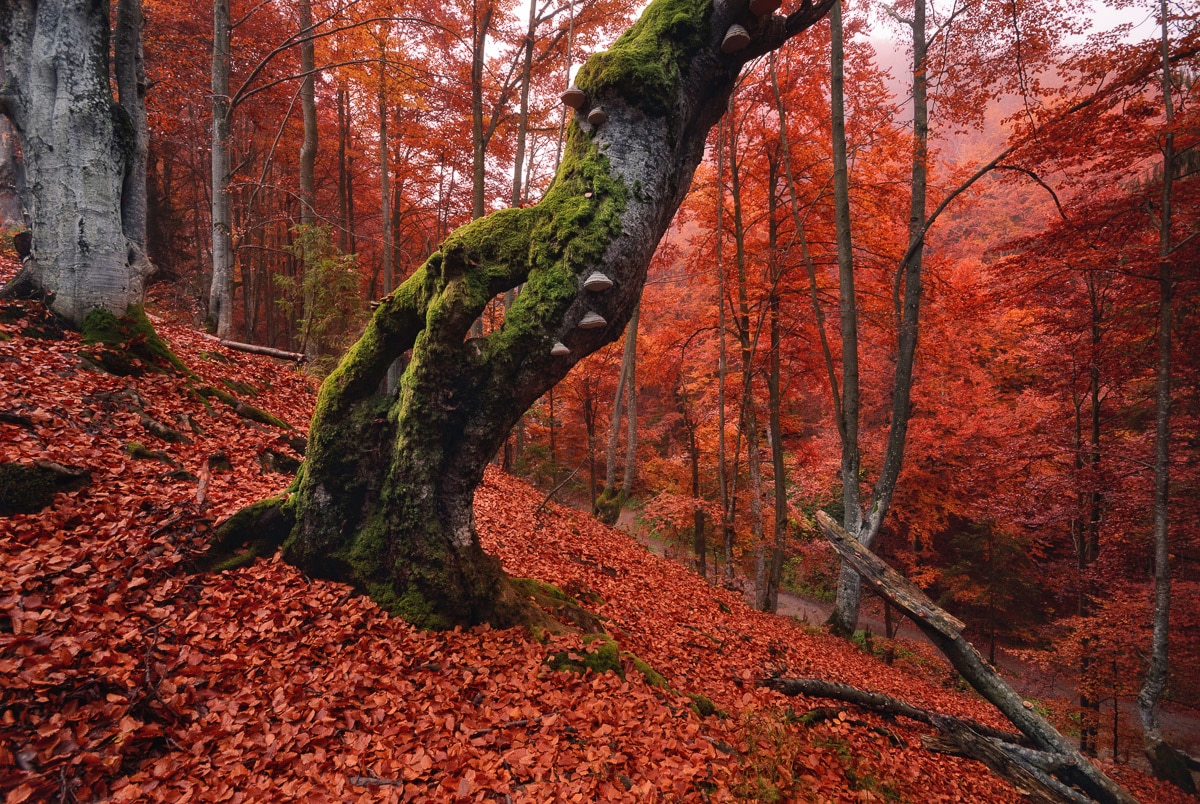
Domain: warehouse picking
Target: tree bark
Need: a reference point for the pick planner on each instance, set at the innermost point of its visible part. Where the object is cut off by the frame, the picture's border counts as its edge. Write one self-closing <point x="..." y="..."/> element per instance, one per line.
<point x="844" y="618"/>
<point x="220" y="294"/>
<point x="77" y="143"/>
<point x="130" y="72"/>
<point x="1165" y="760"/>
<point x="384" y="499"/>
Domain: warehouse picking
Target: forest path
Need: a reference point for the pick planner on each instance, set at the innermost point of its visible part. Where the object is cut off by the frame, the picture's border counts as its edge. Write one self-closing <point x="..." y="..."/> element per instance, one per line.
<point x="1181" y="725"/>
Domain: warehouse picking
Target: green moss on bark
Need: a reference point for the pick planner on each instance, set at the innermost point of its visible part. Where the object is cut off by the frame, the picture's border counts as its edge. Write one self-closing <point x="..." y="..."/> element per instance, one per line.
<point x="646" y="64"/>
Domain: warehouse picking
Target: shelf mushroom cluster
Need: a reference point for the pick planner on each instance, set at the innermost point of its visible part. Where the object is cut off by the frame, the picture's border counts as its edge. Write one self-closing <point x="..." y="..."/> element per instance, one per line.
<point x="596" y="282"/>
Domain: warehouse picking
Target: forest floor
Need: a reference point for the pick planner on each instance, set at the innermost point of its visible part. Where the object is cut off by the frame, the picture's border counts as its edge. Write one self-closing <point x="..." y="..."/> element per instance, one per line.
<point x="1052" y="686"/>
<point x="124" y="676"/>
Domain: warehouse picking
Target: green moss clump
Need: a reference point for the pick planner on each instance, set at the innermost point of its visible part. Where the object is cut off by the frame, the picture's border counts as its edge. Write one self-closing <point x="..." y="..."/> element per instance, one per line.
<point x="600" y="655"/>
<point x="702" y="705"/>
<point x="652" y="676"/>
<point x="128" y="345"/>
<point x="645" y="65"/>
<point x="215" y="357"/>
<point x="24" y="489"/>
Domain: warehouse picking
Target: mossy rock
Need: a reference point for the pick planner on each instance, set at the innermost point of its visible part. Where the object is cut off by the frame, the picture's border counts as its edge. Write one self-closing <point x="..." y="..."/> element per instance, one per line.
<point x="215" y="357"/>
<point x="703" y="706"/>
<point x="28" y="488"/>
<point x="140" y="452"/>
<point x="127" y="346"/>
<point x="219" y="462"/>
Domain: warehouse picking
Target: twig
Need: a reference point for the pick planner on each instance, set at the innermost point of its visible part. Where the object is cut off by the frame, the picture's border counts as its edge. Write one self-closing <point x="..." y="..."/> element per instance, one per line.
<point x="375" y="781"/>
<point x="509" y="724"/>
<point x="538" y="510"/>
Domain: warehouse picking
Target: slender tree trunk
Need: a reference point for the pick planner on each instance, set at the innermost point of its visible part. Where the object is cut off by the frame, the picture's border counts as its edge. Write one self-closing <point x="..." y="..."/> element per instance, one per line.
<point x="749" y="418"/>
<point x="308" y="107"/>
<point x="1166" y="762"/>
<point x="630" y="470"/>
<point x="775" y="399"/>
<point x="722" y="366"/>
<point x="844" y="618"/>
<point x="220" y="295"/>
<point x="482" y="21"/>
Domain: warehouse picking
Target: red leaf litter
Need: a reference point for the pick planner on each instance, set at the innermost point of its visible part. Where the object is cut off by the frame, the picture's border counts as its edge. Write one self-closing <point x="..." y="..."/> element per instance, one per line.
<point x="125" y="678"/>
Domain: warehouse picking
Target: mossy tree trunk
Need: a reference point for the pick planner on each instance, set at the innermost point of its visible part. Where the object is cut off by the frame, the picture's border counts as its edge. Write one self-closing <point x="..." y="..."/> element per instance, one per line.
<point x="384" y="500"/>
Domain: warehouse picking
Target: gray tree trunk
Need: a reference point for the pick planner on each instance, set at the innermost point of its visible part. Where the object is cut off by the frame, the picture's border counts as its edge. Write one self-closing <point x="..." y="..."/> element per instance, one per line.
<point x="220" y="294"/>
<point x="77" y="143"/>
<point x="1166" y="762"/>
<point x="384" y="500"/>
<point x="844" y="618"/>
<point x="12" y="177"/>
<point x="630" y="470"/>
<point x="749" y="417"/>
<point x="130" y="68"/>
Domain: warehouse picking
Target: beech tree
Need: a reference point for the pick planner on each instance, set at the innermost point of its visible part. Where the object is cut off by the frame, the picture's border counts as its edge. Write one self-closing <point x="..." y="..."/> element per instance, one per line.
<point x="84" y="153"/>
<point x="384" y="500"/>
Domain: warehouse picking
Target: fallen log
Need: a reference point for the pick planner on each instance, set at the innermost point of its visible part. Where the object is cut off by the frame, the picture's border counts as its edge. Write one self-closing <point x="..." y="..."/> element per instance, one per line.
<point x="253" y="348"/>
<point x="945" y="632"/>
<point x="295" y="357"/>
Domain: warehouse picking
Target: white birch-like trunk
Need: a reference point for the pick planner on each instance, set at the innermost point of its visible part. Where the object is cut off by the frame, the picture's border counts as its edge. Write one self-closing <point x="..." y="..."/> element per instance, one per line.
<point x="220" y="295"/>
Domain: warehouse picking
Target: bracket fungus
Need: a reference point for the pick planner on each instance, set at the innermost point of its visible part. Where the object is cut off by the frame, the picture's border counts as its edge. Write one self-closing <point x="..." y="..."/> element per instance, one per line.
<point x="592" y="321"/>
<point x="735" y="39"/>
<point x="597" y="282"/>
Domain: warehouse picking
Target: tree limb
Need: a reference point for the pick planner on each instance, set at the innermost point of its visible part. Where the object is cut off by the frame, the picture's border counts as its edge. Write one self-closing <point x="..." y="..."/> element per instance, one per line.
<point x="944" y="632"/>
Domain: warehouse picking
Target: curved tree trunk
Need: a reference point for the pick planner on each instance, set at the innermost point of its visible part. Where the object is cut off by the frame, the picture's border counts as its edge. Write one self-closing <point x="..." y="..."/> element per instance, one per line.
<point x="384" y="500"/>
<point x="77" y="143"/>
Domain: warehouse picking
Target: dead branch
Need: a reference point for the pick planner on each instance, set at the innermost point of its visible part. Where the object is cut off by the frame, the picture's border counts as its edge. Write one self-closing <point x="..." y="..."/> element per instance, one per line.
<point x="945" y="632"/>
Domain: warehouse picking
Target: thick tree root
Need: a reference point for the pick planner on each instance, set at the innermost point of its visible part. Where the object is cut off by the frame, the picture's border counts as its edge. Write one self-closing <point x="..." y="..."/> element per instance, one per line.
<point x="255" y="531"/>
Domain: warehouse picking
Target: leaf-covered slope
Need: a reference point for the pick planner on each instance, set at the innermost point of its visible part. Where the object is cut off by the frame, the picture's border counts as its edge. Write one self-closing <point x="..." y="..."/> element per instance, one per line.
<point x="124" y="678"/>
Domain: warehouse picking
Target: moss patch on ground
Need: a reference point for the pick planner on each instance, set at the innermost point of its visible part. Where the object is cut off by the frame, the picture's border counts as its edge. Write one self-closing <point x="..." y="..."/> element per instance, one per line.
<point x="128" y="346"/>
